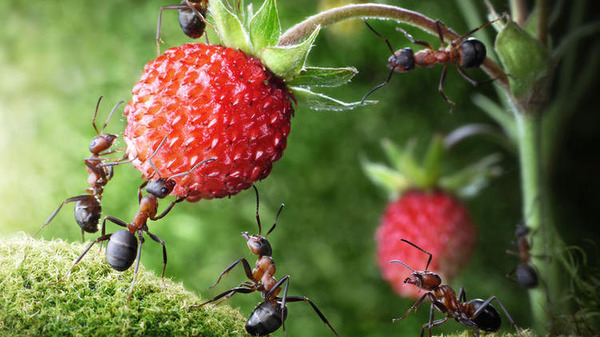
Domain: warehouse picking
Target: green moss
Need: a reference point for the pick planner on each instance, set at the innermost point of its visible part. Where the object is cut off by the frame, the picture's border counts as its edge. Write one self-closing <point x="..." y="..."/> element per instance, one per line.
<point x="92" y="300"/>
<point x="467" y="333"/>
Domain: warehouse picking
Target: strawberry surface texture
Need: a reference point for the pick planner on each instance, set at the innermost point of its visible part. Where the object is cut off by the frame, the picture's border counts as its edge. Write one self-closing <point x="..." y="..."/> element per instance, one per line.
<point x="210" y="102"/>
<point x="434" y="221"/>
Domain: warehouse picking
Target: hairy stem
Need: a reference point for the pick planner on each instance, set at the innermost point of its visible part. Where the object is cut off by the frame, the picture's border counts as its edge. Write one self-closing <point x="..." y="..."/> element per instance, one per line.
<point x="376" y="11"/>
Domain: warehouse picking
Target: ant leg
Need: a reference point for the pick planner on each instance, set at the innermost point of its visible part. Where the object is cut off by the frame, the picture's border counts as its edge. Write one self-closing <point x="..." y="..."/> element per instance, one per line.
<point x="168" y="209"/>
<point x="415" y="306"/>
<point x="470" y="79"/>
<point x="487" y="302"/>
<point x="462" y="295"/>
<point x="306" y="299"/>
<point x="158" y="26"/>
<point x="102" y="238"/>
<point x="441" y="88"/>
<point x="440" y="30"/>
<point x="72" y="199"/>
<point x="225" y="295"/>
<point x="412" y="39"/>
<point x="137" y="265"/>
<point x="430" y="325"/>
<point x="140" y="189"/>
<point x="247" y="270"/>
<point x="159" y="240"/>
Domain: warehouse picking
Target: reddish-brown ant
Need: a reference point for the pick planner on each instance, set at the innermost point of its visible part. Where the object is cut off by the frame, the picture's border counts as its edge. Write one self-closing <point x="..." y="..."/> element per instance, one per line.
<point x="463" y="52"/>
<point x="476" y="314"/>
<point x="269" y="315"/>
<point x="122" y="248"/>
<point x="87" y="206"/>
<point x="192" y="21"/>
<point x="523" y="273"/>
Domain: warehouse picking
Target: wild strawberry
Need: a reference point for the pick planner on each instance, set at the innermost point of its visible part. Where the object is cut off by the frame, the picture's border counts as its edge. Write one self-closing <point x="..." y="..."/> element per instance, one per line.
<point x="425" y="212"/>
<point x="232" y="103"/>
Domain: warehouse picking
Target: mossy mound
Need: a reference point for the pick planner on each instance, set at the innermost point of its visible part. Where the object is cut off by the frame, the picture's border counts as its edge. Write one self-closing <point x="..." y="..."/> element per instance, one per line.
<point x="93" y="299"/>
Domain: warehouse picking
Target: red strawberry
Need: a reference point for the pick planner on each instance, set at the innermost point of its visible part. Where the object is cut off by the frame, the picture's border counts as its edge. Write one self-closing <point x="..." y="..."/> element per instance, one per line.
<point x="424" y="211"/>
<point x="436" y="222"/>
<point x="210" y="102"/>
<point x="230" y="104"/>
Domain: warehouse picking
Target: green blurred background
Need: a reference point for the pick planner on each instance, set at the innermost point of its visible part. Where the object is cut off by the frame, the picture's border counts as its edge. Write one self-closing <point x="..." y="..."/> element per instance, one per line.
<point x="58" y="57"/>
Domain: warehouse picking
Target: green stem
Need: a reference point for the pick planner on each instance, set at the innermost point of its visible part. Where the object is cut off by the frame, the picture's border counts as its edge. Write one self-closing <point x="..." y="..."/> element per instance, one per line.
<point x="303" y="29"/>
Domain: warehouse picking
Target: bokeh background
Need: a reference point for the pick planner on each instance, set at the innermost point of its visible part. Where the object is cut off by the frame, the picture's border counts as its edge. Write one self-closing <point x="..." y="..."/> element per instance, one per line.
<point x="58" y="57"/>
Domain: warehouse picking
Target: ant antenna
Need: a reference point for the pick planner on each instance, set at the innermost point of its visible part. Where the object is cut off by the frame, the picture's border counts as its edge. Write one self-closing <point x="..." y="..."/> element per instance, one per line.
<point x="276" y="218"/>
<point x="404" y="264"/>
<point x="421" y="249"/>
<point x="149" y="160"/>
<point x="107" y="119"/>
<point x="257" y="214"/>
<point x="389" y="77"/>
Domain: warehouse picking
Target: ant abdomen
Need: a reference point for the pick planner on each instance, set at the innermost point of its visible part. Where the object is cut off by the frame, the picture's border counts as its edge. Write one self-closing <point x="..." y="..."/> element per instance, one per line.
<point x="471" y="53"/>
<point x="121" y="250"/>
<point x="87" y="214"/>
<point x="488" y="319"/>
<point x="265" y="319"/>
<point x="526" y="276"/>
<point x="190" y="23"/>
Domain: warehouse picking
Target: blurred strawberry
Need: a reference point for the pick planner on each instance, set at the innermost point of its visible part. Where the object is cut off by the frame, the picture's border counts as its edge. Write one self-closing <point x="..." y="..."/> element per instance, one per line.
<point x="424" y="210"/>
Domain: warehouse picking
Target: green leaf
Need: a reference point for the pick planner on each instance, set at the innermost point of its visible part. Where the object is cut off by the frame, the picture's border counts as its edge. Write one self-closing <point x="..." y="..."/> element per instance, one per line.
<point x="323" y="77"/>
<point x="318" y="101"/>
<point x="385" y="177"/>
<point x="468" y="181"/>
<point x="525" y="61"/>
<point x="433" y="160"/>
<point x="393" y="153"/>
<point x="287" y="61"/>
<point x="230" y="29"/>
<point x="264" y="26"/>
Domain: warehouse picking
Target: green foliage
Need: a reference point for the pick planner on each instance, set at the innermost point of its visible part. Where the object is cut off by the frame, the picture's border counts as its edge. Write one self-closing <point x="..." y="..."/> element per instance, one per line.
<point x="92" y="300"/>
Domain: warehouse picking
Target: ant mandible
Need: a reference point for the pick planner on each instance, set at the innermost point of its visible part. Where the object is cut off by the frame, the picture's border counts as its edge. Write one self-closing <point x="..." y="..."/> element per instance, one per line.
<point x="463" y="52"/>
<point x="476" y="313"/>
<point x="270" y="314"/>
<point x="523" y="273"/>
<point x="192" y="20"/>
<point x="87" y="206"/>
<point x="122" y="248"/>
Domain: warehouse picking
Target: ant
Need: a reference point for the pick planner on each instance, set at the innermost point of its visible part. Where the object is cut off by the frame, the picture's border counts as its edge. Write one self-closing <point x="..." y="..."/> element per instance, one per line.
<point x="476" y="313"/>
<point x="463" y="52"/>
<point x="523" y="273"/>
<point x="87" y="206"/>
<point x="270" y="314"/>
<point x="122" y="248"/>
<point x="192" y="20"/>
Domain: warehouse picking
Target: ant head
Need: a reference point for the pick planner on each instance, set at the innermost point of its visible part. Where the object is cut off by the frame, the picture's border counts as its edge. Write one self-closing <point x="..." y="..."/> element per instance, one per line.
<point x="425" y="279"/>
<point x="471" y="53"/>
<point x="102" y="141"/>
<point x="258" y="244"/>
<point x="521" y="230"/>
<point x="162" y="187"/>
<point x="189" y="19"/>
<point x="402" y="61"/>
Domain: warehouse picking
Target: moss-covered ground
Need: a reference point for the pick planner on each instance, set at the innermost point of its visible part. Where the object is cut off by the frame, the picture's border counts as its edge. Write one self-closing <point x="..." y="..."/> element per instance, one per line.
<point x="92" y="301"/>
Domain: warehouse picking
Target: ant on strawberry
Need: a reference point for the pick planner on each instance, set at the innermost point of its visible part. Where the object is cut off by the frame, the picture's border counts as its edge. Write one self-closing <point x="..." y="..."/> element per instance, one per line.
<point x="87" y="206"/>
<point x="270" y="314"/>
<point x="524" y="273"/>
<point x="192" y="20"/>
<point x="122" y="248"/>
<point x="463" y="52"/>
<point x="477" y="313"/>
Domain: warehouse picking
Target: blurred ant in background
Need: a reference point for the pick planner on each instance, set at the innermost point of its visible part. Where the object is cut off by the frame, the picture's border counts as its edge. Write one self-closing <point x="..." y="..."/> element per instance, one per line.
<point x="192" y="14"/>
<point x="463" y="52"/>
<point x="524" y="273"/>
<point x="476" y="314"/>
<point x="270" y="314"/>
<point x="122" y="248"/>
<point x="87" y="206"/>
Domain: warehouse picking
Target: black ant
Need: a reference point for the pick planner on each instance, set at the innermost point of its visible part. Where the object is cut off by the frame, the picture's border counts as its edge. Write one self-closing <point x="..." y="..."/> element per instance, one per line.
<point x="269" y="315"/>
<point x="87" y="206"/>
<point x="523" y="273"/>
<point x="122" y="248"/>
<point x="476" y="313"/>
<point x="192" y="14"/>
<point x="463" y="52"/>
